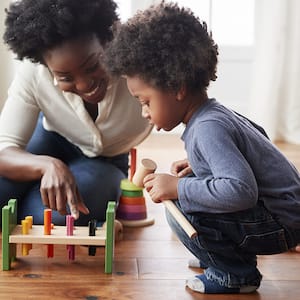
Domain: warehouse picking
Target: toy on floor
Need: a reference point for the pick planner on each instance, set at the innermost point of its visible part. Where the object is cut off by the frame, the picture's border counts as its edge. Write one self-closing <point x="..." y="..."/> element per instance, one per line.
<point x="132" y="210"/>
<point x="28" y="234"/>
<point x="147" y="167"/>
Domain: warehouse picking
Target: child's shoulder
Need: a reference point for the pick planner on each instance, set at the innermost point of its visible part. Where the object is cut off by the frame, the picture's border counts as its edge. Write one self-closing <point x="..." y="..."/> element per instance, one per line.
<point x="210" y="118"/>
<point x="214" y="111"/>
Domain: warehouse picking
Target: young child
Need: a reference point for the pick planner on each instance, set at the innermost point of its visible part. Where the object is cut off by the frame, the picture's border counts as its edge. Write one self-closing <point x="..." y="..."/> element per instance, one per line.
<point x="241" y="194"/>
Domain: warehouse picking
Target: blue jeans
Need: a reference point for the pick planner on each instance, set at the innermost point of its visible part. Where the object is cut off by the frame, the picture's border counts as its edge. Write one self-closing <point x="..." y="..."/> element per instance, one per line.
<point x="227" y="244"/>
<point x="98" y="179"/>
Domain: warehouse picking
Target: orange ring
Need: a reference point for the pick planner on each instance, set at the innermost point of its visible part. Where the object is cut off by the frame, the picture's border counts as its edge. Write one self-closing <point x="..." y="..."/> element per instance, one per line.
<point x="132" y="200"/>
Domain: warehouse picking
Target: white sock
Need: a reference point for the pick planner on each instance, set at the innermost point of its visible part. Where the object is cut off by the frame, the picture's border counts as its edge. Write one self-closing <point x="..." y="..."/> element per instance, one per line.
<point x="194" y="263"/>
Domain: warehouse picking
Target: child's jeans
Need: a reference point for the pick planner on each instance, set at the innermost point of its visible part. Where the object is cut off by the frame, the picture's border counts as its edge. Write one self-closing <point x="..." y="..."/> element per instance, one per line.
<point x="227" y="244"/>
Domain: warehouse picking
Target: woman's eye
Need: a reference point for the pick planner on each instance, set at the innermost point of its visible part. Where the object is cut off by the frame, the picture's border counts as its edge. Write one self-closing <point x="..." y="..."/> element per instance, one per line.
<point x="64" y="79"/>
<point x="92" y="68"/>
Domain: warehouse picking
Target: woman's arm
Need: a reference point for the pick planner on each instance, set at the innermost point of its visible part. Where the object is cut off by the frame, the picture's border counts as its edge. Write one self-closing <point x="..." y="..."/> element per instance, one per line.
<point x="58" y="187"/>
<point x="17" y="123"/>
<point x="17" y="164"/>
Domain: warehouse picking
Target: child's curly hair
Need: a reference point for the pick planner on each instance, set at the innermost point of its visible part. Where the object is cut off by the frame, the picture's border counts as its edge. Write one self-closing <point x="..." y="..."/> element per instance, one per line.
<point x="167" y="47"/>
<point x="34" y="26"/>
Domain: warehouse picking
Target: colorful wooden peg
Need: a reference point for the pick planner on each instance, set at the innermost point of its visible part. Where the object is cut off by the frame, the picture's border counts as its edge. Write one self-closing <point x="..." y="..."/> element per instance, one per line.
<point x="47" y="221"/>
<point x="92" y="232"/>
<point x="30" y="222"/>
<point x="25" y="230"/>
<point x="132" y="162"/>
<point x="70" y="229"/>
<point x="47" y="230"/>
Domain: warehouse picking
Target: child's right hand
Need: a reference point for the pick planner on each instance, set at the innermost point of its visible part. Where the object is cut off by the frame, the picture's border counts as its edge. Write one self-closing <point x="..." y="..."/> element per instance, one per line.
<point x="161" y="186"/>
<point x="181" y="168"/>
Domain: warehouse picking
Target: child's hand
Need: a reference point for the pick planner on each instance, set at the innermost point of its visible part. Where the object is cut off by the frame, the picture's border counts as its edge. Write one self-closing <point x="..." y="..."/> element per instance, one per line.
<point x="161" y="187"/>
<point x="181" y="168"/>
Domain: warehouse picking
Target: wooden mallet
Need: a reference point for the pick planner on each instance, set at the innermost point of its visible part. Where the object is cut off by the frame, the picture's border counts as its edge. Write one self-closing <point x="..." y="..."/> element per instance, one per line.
<point x="148" y="166"/>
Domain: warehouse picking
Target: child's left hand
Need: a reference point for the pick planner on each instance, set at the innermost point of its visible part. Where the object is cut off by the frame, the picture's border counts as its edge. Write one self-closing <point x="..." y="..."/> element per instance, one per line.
<point x="161" y="187"/>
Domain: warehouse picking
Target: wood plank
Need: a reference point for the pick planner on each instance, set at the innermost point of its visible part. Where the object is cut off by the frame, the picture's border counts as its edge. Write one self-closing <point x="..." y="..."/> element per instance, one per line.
<point x="58" y="236"/>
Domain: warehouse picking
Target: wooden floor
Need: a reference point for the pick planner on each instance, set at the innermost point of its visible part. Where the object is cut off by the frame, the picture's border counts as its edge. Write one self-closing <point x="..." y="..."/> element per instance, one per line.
<point x="149" y="264"/>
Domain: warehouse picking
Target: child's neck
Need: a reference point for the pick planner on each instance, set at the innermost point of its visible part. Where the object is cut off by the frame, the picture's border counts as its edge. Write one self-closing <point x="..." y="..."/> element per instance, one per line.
<point x="195" y="102"/>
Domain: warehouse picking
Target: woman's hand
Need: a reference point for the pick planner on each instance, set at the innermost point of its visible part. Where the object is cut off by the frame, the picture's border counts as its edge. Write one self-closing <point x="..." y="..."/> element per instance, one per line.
<point x="181" y="168"/>
<point x="161" y="187"/>
<point x="58" y="188"/>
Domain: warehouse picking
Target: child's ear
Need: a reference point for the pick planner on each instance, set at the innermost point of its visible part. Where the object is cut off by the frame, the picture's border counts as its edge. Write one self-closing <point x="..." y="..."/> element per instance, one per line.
<point x="180" y="95"/>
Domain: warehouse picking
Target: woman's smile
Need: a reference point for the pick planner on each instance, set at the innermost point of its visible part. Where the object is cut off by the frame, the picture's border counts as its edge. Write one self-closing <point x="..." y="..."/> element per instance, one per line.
<point x="97" y="93"/>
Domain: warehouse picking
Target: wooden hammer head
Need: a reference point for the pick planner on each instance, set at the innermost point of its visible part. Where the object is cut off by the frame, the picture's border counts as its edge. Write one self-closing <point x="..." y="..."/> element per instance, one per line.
<point x="147" y="166"/>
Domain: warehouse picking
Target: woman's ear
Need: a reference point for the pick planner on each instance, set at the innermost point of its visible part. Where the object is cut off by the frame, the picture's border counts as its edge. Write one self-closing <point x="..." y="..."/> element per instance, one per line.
<point x="180" y="95"/>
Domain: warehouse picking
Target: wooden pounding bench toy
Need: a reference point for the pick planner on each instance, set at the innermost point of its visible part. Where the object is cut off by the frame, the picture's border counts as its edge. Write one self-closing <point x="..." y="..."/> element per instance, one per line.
<point x="28" y="234"/>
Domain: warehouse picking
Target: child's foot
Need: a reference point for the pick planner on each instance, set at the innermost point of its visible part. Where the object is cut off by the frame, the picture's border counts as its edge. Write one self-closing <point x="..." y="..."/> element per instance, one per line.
<point x="201" y="284"/>
<point x="196" y="263"/>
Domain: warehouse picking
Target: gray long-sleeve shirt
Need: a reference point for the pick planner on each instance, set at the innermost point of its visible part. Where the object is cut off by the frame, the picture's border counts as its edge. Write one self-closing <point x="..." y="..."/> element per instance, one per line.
<point x="235" y="165"/>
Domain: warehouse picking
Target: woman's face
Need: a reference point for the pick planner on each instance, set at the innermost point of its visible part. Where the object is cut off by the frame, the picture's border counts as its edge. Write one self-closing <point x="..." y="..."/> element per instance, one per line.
<point x="76" y="67"/>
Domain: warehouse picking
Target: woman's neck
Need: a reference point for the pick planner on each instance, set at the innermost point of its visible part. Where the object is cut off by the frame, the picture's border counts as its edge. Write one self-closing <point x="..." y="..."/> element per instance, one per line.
<point x="92" y="109"/>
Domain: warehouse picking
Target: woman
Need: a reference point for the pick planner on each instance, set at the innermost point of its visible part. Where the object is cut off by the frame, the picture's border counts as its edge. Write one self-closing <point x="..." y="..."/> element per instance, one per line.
<point x="66" y="127"/>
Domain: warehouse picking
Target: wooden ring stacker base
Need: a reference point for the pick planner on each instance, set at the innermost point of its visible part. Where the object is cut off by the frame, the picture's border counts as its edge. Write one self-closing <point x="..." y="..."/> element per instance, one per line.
<point x="148" y="166"/>
<point x="137" y="223"/>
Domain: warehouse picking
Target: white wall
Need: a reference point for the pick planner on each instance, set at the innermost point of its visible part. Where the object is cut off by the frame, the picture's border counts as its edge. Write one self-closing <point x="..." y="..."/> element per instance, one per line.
<point x="232" y="87"/>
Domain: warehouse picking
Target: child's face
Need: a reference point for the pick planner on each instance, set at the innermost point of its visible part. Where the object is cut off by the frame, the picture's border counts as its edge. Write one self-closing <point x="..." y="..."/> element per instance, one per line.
<point x="160" y="108"/>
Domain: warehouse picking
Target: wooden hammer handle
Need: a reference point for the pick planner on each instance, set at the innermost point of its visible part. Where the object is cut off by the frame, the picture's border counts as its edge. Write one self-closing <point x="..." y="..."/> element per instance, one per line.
<point x="180" y="218"/>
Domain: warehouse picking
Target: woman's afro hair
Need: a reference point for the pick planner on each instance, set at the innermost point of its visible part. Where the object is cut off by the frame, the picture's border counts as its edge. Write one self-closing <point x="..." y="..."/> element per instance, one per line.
<point x="34" y="26"/>
<point x="167" y="47"/>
